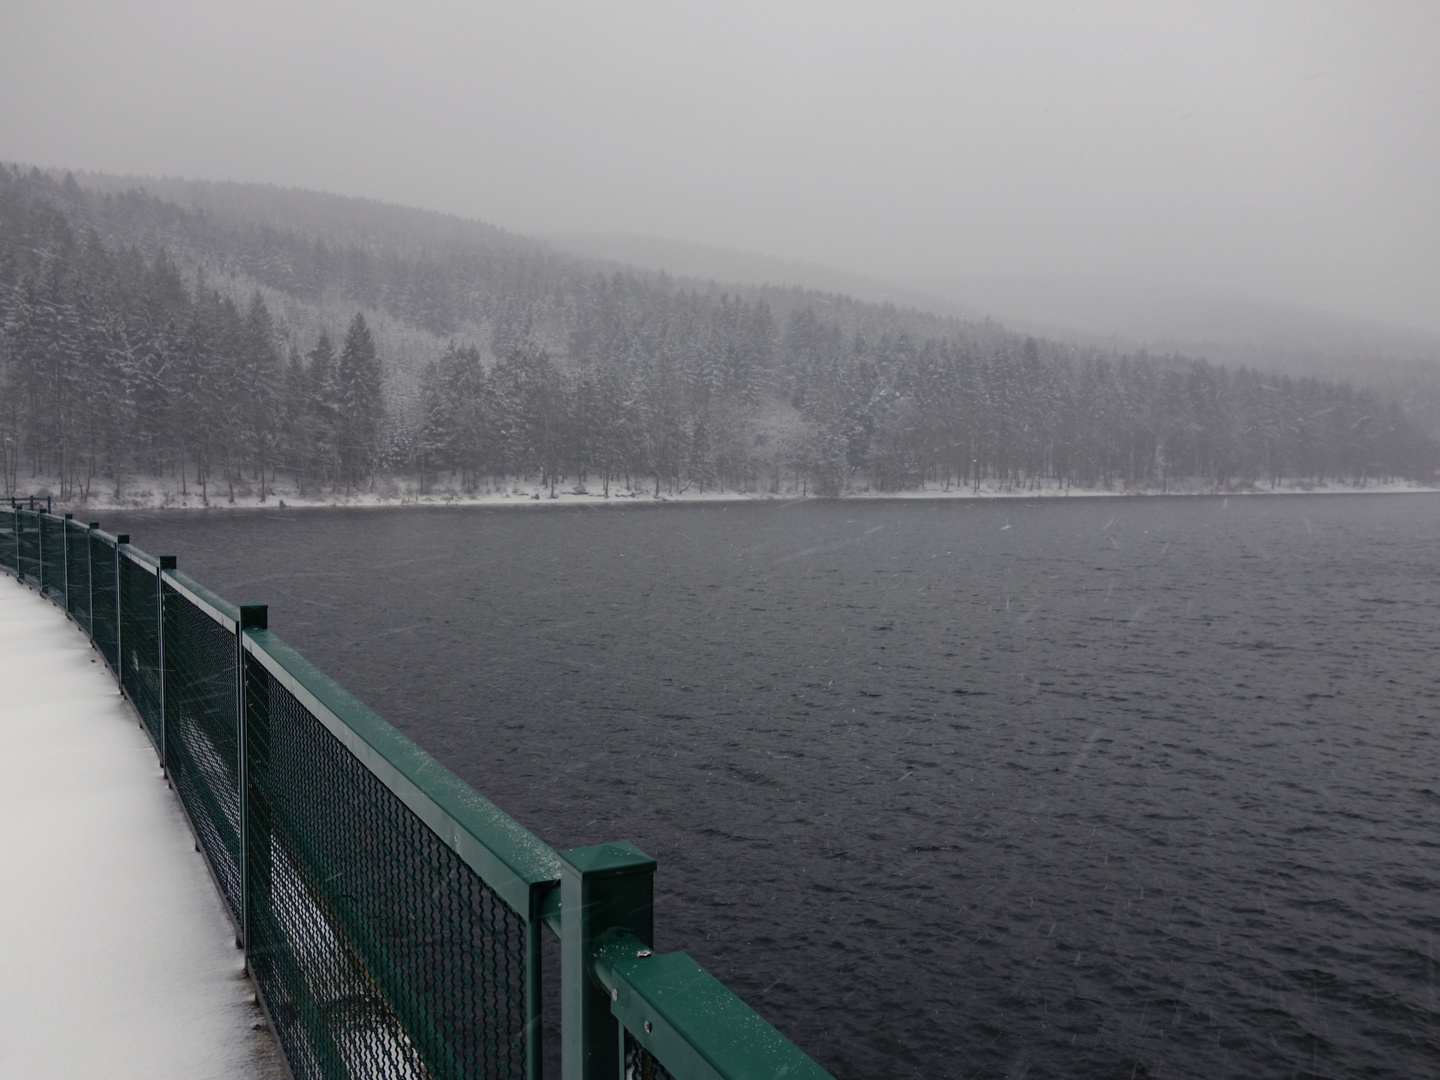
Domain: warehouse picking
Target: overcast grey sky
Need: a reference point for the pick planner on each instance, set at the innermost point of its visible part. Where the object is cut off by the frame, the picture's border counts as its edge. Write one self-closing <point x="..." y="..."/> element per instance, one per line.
<point x="1287" y="151"/>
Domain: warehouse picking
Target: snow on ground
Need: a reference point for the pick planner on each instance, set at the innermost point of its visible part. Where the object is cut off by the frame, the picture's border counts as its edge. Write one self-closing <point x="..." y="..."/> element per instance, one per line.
<point x="140" y="493"/>
<point x="116" y="956"/>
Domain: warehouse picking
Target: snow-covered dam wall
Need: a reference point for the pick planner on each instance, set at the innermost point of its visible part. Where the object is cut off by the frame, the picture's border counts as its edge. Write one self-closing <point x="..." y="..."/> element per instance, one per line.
<point x="391" y="916"/>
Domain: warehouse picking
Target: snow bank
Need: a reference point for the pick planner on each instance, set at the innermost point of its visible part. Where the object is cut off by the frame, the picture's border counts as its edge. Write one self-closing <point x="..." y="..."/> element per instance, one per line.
<point x="116" y="957"/>
<point x="147" y="493"/>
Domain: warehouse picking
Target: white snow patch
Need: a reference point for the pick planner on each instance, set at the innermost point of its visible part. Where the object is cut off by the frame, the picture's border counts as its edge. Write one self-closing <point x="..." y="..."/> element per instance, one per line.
<point x="148" y="493"/>
<point x="116" y="957"/>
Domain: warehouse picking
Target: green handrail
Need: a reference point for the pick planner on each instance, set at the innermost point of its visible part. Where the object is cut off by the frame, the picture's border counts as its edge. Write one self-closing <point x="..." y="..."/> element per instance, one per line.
<point x="618" y="996"/>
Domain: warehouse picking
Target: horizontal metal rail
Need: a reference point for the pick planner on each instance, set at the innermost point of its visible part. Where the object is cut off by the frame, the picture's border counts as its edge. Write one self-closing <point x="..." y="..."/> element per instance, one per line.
<point x="689" y="1021"/>
<point x="139" y="558"/>
<point x="217" y="607"/>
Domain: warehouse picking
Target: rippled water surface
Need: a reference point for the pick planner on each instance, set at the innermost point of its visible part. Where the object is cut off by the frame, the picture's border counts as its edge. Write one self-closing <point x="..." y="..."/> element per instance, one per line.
<point x="1075" y="788"/>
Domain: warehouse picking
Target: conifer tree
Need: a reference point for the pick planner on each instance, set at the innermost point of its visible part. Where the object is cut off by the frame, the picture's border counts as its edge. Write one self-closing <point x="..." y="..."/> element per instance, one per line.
<point x="359" y="407"/>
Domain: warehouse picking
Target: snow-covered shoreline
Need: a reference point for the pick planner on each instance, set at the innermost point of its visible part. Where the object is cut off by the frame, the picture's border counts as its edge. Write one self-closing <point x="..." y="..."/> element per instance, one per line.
<point x="393" y="493"/>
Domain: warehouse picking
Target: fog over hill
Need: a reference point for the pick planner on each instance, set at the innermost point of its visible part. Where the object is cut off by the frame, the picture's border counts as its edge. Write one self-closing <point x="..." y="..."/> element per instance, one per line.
<point x="1401" y="363"/>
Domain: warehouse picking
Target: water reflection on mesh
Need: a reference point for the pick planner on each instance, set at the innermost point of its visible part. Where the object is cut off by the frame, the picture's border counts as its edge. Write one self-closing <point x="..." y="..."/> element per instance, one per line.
<point x="640" y="1064"/>
<point x="102" y="600"/>
<point x="200" y="726"/>
<point x="77" y="595"/>
<point x="379" y="951"/>
<point x="140" y="643"/>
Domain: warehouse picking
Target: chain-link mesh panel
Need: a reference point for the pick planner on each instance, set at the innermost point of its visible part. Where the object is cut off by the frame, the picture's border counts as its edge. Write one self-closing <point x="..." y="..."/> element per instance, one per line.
<point x="52" y="557"/>
<point x="640" y="1064"/>
<point x="140" y="643"/>
<point x="200" y="744"/>
<point x="77" y="591"/>
<point x="379" y="951"/>
<point x="104" y="629"/>
<point x="28" y="525"/>
<point x="9" y="557"/>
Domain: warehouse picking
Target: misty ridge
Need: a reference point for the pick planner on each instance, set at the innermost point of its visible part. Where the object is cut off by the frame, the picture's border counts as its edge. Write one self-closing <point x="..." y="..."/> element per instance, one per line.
<point x="223" y="339"/>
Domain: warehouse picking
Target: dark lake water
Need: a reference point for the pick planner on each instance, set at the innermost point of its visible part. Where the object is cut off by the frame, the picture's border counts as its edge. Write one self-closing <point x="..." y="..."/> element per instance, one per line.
<point x="1073" y="788"/>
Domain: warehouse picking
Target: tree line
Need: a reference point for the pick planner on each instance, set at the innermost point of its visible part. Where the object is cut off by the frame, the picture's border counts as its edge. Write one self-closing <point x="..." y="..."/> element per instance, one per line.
<point x="116" y="363"/>
<point x="111" y="365"/>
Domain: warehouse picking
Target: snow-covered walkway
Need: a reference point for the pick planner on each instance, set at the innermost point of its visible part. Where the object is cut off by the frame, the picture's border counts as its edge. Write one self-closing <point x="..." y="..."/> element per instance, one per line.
<point x="116" y="958"/>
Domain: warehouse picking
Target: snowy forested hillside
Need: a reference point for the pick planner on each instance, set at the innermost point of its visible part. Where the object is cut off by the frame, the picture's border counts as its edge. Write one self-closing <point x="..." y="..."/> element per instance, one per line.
<point x="214" y="335"/>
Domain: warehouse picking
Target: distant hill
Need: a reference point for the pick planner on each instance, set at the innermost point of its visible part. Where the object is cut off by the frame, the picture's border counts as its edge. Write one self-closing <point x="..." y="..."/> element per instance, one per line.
<point x="1400" y="363"/>
<point x="423" y="278"/>
<point x="704" y="263"/>
<point x="210" y="332"/>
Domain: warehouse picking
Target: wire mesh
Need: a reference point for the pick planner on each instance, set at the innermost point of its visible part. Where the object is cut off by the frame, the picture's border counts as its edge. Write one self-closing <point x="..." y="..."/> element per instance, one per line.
<point x="8" y="555"/>
<point x="140" y="642"/>
<point x="105" y="628"/>
<point x="200" y="744"/>
<point x="28" y="526"/>
<point x="380" y="952"/>
<point x="640" y="1064"/>
<point x="77" y="569"/>
<point x="52" y="557"/>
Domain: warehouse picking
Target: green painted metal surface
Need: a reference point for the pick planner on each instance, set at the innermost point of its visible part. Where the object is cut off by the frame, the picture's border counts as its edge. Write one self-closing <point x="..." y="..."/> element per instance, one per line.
<point x="605" y="889"/>
<point x="143" y="558"/>
<point x="694" y="1025"/>
<point x="213" y="604"/>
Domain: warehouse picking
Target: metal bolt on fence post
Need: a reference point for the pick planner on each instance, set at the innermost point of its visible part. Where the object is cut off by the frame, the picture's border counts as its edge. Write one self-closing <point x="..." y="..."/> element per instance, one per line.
<point x="603" y="889"/>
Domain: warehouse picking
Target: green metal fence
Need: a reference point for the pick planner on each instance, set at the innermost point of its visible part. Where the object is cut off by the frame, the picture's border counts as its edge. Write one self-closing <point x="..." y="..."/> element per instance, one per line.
<point x="77" y="574"/>
<point x="391" y="916"/>
<point x="104" y="595"/>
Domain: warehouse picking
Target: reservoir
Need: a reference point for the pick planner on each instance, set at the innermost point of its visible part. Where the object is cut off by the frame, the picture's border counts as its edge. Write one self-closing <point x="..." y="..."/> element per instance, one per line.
<point x="1088" y="787"/>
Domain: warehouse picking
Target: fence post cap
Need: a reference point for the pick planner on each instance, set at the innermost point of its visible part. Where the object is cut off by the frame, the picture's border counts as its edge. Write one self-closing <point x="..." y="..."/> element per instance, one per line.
<point x="93" y="525"/>
<point x="608" y="860"/>
<point x="168" y="562"/>
<point x="254" y="616"/>
<point x="122" y="538"/>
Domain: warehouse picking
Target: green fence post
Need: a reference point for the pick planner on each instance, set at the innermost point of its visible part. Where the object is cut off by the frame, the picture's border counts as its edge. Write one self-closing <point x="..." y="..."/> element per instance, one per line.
<point x="167" y="562"/>
<point x="251" y="690"/>
<point x="65" y="557"/>
<point x="540" y="898"/>
<point x="604" y="889"/>
<point x="121" y="540"/>
<point x="90" y="566"/>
